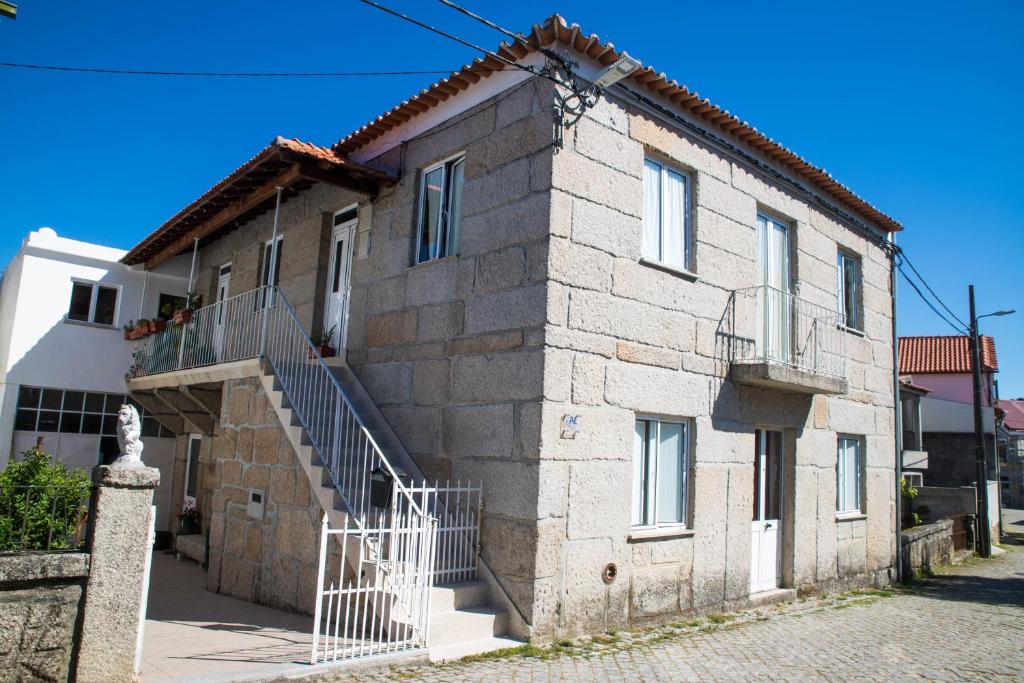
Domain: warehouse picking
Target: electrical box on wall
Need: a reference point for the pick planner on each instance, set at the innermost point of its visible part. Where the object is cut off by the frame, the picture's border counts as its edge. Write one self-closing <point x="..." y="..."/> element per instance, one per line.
<point x="256" y="502"/>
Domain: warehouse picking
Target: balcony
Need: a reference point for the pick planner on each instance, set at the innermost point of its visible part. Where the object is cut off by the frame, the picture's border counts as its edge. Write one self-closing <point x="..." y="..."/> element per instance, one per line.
<point x="779" y="341"/>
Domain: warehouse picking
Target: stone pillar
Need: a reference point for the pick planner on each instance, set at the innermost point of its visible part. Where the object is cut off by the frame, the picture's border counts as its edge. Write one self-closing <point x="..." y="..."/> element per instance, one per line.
<point x="119" y="551"/>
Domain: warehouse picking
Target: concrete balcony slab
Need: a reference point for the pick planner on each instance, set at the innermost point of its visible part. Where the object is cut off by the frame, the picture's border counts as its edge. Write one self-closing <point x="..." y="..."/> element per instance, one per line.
<point x="771" y="375"/>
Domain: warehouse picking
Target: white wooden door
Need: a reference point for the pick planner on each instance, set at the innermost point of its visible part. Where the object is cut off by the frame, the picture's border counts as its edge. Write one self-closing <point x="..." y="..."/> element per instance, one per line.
<point x="765" y="538"/>
<point x="339" y="280"/>
<point x="773" y="308"/>
<point x="223" y="292"/>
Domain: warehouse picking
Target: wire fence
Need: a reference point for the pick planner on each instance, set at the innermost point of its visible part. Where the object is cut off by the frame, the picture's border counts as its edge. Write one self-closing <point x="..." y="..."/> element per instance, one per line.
<point x="34" y="518"/>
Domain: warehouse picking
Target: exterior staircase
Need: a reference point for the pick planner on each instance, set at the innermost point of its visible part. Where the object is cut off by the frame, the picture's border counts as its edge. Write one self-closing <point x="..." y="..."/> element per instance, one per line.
<point x="463" y="618"/>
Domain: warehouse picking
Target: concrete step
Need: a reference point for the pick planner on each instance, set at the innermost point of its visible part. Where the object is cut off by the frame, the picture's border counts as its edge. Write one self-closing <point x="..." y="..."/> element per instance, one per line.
<point x="448" y="653"/>
<point x="465" y="625"/>
<point x="456" y="596"/>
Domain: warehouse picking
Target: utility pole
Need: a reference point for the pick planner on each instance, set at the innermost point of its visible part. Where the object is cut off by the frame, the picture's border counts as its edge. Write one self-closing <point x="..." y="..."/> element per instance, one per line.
<point x="984" y="530"/>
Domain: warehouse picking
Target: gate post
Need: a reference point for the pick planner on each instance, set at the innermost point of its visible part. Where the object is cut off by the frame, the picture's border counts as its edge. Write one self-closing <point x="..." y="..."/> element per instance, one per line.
<point x="120" y="546"/>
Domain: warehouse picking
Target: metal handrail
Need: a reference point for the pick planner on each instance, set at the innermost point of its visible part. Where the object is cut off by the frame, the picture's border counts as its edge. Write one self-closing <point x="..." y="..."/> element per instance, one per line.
<point x="774" y="325"/>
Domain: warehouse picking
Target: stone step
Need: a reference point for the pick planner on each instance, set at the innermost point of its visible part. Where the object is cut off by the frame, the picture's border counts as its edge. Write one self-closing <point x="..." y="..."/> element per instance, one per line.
<point x="466" y="625"/>
<point x="455" y="596"/>
<point x="449" y="653"/>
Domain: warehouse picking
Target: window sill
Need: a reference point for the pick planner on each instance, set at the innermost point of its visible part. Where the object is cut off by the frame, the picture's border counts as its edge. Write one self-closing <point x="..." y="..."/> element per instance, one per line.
<point x="433" y="262"/>
<point x="85" y="323"/>
<point x="681" y="272"/>
<point x="850" y="516"/>
<point x="658" y="533"/>
<point x="852" y="330"/>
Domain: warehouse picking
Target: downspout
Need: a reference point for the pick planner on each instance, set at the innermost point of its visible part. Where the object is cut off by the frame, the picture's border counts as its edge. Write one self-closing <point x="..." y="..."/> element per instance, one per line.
<point x="898" y="410"/>
<point x="192" y="270"/>
<point x="142" y="300"/>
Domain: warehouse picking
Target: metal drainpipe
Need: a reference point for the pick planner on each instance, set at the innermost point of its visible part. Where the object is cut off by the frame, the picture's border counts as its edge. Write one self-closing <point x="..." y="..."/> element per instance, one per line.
<point x="192" y="270"/>
<point x="899" y="412"/>
<point x="270" y="273"/>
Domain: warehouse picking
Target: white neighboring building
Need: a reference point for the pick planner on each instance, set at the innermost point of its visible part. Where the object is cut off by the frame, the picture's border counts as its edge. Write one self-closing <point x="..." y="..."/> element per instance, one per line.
<point x="63" y="355"/>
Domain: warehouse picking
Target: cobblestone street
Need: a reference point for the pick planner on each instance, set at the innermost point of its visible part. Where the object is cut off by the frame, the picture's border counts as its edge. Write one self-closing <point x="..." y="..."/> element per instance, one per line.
<point x="967" y="624"/>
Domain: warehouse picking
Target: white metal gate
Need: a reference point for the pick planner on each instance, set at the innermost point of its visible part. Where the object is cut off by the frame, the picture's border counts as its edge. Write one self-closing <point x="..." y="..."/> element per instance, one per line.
<point x="373" y="586"/>
<point x="457" y="508"/>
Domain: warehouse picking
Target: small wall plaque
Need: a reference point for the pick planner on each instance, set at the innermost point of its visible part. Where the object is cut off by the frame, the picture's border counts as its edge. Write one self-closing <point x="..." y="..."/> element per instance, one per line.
<point x="570" y="426"/>
<point x="255" y="504"/>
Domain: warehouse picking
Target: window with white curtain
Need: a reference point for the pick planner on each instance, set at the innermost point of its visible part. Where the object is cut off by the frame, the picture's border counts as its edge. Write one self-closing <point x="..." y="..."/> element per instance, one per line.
<point x="849" y="474"/>
<point x="848" y="290"/>
<point x="660" y="467"/>
<point x="666" y="237"/>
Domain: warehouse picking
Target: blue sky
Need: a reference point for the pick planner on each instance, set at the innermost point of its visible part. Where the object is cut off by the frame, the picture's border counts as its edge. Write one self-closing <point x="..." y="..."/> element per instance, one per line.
<point x="914" y="105"/>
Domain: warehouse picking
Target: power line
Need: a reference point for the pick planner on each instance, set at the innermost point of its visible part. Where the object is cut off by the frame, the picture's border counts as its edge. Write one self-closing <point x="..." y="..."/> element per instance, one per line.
<point x="899" y="266"/>
<point x="904" y="256"/>
<point x="518" y="37"/>
<point x="224" y="74"/>
<point x="530" y="69"/>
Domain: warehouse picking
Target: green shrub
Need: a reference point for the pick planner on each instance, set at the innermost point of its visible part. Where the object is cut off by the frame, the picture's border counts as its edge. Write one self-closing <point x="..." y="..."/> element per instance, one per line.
<point x="42" y="503"/>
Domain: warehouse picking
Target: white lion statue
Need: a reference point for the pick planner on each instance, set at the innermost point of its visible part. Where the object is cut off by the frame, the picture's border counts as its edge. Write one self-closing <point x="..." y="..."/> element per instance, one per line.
<point x="129" y="433"/>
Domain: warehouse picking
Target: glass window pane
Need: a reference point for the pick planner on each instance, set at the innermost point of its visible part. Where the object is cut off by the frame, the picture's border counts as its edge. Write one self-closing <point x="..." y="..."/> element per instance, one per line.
<point x="109" y="450"/>
<point x="851" y="296"/>
<point x="670" y="473"/>
<point x="52" y="399"/>
<point x="28" y="397"/>
<point x="49" y="421"/>
<point x="113" y="404"/>
<point x="93" y="403"/>
<point x="193" y="466"/>
<point x="674" y="220"/>
<point x="639" y="441"/>
<point x="150" y="427"/>
<point x="110" y="424"/>
<point x="91" y="424"/>
<point x="73" y="400"/>
<point x="773" y="476"/>
<point x="339" y="263"/>
<point x="25" y="420"/>
<point x="431" y="218"/>
<point x="81" y="298"/>
<point x="454" y="209"/>
<point x="651" y="244"/>
<point x="71" y="423"/>
<point x="106" y="305"/>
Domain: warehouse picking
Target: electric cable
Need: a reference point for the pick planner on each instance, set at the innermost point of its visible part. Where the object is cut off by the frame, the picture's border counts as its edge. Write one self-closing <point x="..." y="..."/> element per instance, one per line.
<point x="903" y="254"/>
<point x="913" y="285"/>
<point x="225" y="74"/>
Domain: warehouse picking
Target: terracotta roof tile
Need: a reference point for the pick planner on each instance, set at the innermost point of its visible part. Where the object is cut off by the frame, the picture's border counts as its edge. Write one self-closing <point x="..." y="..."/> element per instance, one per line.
<point x="944" y="354"/>
<point x="555" y="29"/>
<point x="1014" y="411"/>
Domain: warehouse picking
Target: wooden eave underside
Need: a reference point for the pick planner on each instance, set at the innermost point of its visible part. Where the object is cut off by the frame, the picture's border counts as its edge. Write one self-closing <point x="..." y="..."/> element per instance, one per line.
<point x="248" y="193"/>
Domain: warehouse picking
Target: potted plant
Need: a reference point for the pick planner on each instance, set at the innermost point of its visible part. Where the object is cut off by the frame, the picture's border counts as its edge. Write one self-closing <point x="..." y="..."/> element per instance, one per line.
<point x="183" y="316"/>
<point x="156" y="326"/>
<point x="322" y="343"/>
<point x="189" y="520"/>
<point x="141" y="328"/>
<point x="129" y="330"/>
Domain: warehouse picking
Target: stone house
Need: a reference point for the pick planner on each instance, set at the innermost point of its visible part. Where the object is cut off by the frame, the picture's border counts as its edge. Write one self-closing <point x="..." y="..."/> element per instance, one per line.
<point x="624" y="327"/>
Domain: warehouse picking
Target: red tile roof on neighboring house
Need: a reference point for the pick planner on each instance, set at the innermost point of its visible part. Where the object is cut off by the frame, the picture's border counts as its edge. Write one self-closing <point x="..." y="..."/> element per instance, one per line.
<point x="1014" y="411"/>
<point x="949" y="354"/>
<point x="555" y="29"/>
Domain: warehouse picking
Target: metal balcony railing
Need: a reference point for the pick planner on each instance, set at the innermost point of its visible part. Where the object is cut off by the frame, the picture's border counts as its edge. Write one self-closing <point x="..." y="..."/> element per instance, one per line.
<point x="769" y="325"/>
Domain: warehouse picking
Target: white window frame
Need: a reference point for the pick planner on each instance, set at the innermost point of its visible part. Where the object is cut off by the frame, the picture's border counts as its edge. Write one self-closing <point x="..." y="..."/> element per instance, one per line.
<point x="843" y="255"/>
<point x="445" y="241"/>
<point x="187" y="499"/>
<point x="844" y="507"/>
<point x="91" y="317"/>
<point x="649" y="487"/>
<point x="687" y="236"/>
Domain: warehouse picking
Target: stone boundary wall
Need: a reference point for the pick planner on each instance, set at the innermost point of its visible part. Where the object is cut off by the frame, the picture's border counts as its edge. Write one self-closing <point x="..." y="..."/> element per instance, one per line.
<point x="40" y="600"/>
<point x="927" y="547"/>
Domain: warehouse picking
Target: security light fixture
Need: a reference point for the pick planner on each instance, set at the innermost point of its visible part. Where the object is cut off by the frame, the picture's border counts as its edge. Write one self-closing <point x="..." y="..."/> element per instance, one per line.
<point x="623" y="66"/>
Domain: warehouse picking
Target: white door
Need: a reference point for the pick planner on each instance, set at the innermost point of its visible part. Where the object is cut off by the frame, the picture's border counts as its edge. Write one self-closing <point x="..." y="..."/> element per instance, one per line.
<point x="339" y="282"/>
<point x="223" y="292"/>
<point x="773" y="307"/>
<point x="764" y="531"/>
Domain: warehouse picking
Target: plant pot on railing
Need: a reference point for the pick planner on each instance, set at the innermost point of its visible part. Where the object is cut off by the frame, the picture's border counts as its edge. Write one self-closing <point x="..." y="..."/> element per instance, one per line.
<point x="141" y="329"/>
<point x="324" y="351"/>
<point x="182" y="316"/>
<point x="157" y="326"/>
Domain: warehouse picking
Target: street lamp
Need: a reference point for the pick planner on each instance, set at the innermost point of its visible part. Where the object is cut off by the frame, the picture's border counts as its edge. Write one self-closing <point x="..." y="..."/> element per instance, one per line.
<point x="984" y="528"/>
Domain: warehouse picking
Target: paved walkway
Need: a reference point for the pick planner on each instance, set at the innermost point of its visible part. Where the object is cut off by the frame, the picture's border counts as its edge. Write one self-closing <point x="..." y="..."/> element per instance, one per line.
<point x="967" y="624"/>
<point x="192" y="634"/>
